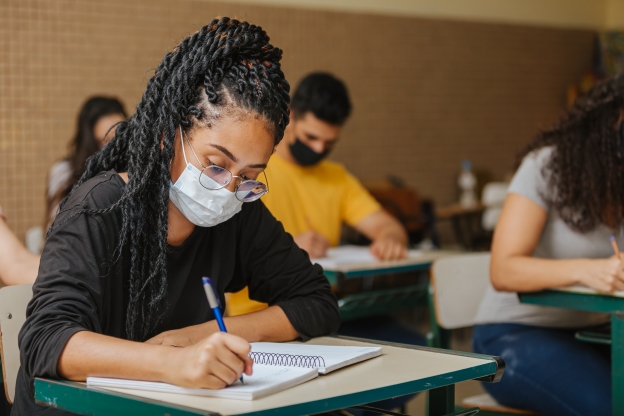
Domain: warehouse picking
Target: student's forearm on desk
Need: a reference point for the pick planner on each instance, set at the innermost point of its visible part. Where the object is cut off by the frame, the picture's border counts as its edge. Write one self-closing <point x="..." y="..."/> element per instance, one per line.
<point x="530" y="274"/>
<point x="514" y="269"/>
<point x="212" y="363"/>
<point x="90" y="354"/>
<point x="269" y="325"/>
<point x="17" y="265"/>
<point x="395" y="232"/>
<point x="389" y="239"/>
<point x="381" y="225"/>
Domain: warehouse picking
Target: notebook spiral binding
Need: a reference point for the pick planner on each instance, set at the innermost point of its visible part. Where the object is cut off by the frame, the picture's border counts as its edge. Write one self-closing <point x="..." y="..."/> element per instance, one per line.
<point x="287" y="360"/>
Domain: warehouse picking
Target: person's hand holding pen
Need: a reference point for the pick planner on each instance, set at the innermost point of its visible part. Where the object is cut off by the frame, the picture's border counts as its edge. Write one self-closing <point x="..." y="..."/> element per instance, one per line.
<point x="218" y="360"/>
<point x="313" y="242"/>
<point x="603" y="275"/>
<point x="213" y="363"/>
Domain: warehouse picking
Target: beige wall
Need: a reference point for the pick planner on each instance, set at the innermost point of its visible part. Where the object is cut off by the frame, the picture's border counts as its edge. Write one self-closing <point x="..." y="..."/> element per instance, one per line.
<point x="556" y="13"/>
<point x="614" y="14"/>
<point x="589" y="14"/>
<point x="427" y="92"/>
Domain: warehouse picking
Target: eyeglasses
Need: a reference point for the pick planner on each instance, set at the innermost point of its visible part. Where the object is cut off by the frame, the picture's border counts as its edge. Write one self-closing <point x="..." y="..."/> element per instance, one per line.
<point x="213" y="177"/>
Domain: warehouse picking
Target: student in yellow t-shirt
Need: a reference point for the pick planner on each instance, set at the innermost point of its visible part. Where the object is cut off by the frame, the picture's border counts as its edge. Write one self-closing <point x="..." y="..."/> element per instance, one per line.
<point x="312" y="196"/>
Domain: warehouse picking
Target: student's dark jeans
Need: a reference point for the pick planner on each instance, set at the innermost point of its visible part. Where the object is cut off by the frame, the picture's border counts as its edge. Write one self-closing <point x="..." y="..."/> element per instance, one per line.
<point x="547" y="370"/>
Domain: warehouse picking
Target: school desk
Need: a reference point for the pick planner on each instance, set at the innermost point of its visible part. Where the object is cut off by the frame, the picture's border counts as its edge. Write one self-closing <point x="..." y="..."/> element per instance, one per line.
<point x="400" y="370"/>
<point x="379" y="302"/>
<point x="466" y="223"/>
<point x="584" y="299"/>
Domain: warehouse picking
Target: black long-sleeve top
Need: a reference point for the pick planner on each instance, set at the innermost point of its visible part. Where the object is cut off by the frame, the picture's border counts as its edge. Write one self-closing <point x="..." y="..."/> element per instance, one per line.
<point x="81" y="287"/>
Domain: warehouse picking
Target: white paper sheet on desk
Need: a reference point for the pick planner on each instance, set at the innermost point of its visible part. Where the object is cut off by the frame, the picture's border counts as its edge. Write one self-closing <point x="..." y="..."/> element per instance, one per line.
<point x="585" y="289"/>
<point x="344" y="255"/>
<point x="266" y="380"/>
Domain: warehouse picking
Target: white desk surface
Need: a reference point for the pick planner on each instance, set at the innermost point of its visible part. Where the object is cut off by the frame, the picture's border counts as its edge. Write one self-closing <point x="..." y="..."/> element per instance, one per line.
<point x="395" y="366"/>
<point x="589" y="291"/>
<point x="425" y="257"/>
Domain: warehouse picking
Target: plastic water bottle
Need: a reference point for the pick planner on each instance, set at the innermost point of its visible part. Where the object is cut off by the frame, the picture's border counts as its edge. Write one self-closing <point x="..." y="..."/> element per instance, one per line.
<point x="468" y="184"/>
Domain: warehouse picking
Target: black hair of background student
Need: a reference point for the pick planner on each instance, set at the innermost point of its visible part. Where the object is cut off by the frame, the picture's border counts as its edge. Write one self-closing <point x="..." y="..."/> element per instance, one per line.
<point x="325" y="96"/>
<point x="85" y="144"/>
<point x="586" y="170"/>
<point x="240" y="71"/>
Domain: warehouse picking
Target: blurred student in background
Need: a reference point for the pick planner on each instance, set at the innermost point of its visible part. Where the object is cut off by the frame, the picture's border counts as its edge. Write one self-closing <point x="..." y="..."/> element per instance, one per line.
<point x="96" y="127"/>
<point x="323" y="194"/>
<point x="313" y="197"/>
<point x="564" y="202"/>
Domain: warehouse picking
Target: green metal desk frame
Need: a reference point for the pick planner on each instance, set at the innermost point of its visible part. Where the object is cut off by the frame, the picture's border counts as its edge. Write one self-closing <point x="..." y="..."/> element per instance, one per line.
<point x="590" y="302"/>
<point x="380" y="301"/>
<point x="439" y="337"/>
<point x="335" y="277"/>
<point x="78" y="398"/>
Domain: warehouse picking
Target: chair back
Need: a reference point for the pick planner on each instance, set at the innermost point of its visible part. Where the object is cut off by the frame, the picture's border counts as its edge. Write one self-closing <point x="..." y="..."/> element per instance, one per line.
<point x="13" y="302"/>
<point x="459" y="283"/>
<point x="402" y="203"/>
<point x="34" y="239"/>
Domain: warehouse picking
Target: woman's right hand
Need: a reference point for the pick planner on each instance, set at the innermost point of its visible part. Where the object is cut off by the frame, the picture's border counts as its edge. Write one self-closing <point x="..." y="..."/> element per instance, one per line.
<point x="603" y="275"/>
<point x="213" y="363"/>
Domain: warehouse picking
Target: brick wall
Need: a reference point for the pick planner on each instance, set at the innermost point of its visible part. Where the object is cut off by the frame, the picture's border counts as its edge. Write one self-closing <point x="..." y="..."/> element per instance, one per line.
<point x="427" y="93"/>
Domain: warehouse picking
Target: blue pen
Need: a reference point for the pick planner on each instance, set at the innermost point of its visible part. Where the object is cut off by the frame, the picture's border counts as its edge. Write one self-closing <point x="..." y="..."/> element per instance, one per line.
<point x="215" y="305"/>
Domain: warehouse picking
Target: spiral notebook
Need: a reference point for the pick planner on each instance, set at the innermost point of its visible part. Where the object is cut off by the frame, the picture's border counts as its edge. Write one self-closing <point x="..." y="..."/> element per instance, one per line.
<point x="323" y="357"/>
<point x="277" y="367"/>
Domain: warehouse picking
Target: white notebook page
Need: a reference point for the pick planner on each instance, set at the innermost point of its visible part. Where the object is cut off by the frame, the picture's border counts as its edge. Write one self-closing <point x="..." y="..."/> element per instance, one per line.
<point x="349" y="254"/>
<point x="334" y="357"/>
<point x="265" y="380"/>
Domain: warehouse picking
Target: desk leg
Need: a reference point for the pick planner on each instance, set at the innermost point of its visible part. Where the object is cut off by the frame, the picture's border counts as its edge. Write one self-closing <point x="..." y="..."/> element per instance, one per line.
<point x="340" y="278"/>
<point x="617" y="363"/>
<point x="442" y="401"/>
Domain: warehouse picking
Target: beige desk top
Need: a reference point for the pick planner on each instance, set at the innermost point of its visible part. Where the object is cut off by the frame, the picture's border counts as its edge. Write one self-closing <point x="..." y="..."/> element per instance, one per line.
<point x="425" y="258"/>
<point x="456" y="209"/>
<point x="395" y="366"/>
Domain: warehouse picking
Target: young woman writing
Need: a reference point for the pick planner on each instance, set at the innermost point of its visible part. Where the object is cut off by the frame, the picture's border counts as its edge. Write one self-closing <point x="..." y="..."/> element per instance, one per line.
<point x="565" y="201"/>
<point x="172" y="198"/>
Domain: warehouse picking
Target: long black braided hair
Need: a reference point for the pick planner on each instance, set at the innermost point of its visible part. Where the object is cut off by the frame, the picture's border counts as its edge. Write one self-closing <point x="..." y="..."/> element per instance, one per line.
<point x="228" y="65"/>
<point x="586" y="169"/>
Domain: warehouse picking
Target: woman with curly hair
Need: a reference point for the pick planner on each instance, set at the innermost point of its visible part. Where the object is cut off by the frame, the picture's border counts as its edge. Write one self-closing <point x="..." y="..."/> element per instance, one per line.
<point x="172" y="198"/>
<point x="564" y="202"/>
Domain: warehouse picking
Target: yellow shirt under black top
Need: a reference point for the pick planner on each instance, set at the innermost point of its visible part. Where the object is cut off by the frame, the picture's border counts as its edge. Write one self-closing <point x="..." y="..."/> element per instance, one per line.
<point x="318" y="198"/>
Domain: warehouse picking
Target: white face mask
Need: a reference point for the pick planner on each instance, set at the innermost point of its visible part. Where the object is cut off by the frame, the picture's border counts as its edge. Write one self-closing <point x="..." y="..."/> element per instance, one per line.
<point x="202" y="207"/>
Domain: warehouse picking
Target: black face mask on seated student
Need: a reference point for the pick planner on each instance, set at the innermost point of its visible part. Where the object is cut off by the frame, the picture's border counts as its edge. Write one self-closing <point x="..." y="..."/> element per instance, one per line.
<point x="304" y="155"/>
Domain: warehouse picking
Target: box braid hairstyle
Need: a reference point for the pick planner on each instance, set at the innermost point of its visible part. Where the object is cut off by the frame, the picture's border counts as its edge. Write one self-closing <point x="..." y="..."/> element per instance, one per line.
<point x="586" y="171"/>
<point x="227" y="66"/>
